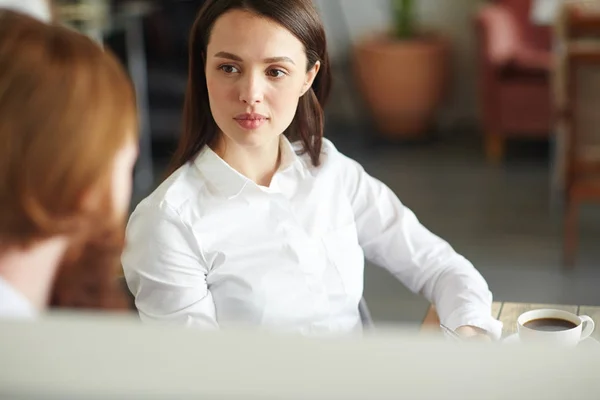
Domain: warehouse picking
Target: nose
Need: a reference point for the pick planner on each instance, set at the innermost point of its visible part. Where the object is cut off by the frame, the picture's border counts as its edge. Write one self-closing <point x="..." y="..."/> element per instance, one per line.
<point x="251" y="89"/>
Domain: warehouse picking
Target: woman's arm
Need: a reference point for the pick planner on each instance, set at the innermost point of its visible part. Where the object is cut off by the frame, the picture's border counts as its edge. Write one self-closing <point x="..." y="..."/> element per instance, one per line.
<point x="392" y="237"/>
<point x="165" y="269"/>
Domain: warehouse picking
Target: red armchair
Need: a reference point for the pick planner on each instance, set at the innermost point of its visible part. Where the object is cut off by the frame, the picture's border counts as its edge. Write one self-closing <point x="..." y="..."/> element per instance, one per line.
<point x="514" y="62"/>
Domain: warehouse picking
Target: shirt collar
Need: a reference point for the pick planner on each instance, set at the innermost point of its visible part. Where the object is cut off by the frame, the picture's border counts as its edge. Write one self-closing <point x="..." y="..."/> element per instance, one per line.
<point x="229" y="181"/>
<point x="288" y="154"/>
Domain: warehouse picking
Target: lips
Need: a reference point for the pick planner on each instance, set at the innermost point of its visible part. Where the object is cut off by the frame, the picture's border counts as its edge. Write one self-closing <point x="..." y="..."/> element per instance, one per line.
<point x="250" y="121"/>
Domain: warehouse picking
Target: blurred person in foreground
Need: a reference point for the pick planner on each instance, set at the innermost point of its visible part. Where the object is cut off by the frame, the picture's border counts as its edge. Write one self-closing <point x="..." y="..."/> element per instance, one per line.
<point x="68" y="143"/>
<point x="252" y="229"/>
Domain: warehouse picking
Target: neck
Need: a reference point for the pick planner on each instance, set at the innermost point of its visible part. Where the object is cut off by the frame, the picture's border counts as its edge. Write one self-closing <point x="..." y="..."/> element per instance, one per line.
<point x="31" y="271"/>
<point x="258" y="164"/>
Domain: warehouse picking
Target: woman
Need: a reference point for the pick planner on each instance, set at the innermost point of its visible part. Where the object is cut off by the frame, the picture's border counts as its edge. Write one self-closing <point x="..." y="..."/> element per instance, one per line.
<point x="250" y="229"/>
<point x="67" y="148"/>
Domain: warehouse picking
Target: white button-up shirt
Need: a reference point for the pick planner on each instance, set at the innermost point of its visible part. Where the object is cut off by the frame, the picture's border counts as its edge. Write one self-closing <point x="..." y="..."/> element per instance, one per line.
<point x="211" y="248"/>
<point x="13" y="304"/>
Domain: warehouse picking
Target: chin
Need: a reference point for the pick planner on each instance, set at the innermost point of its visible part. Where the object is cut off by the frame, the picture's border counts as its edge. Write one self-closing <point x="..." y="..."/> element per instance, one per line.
<point x="255" y="138"/>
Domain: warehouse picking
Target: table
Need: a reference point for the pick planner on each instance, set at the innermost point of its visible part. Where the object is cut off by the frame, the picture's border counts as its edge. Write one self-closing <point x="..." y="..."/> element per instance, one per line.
<point x="508" y="313"/>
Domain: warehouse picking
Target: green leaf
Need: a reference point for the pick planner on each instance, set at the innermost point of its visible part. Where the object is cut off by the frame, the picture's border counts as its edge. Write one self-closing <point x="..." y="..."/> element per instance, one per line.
<point x="404" y="14"/>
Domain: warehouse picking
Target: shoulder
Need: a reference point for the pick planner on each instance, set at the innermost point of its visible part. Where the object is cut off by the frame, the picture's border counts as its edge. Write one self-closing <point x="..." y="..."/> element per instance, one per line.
<point x="13" y="304"/>
<point x="332" y="161"/>
<point x="330" y="157"/>
<point x="176" y="193"/>
<point x="162" y="220"/>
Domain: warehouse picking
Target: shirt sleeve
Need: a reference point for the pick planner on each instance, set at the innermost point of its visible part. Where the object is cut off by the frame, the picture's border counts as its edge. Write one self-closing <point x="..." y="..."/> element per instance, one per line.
<point x="392" y="237"/>
<point x="165" y="270"/>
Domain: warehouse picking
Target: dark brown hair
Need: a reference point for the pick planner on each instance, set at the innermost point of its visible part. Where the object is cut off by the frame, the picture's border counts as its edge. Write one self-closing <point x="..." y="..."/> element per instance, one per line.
<point x="298" y="16"/>
<point x="66" y="108"/>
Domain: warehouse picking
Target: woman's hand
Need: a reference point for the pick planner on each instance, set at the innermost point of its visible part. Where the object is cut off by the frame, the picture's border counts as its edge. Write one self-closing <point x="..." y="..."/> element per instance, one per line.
<point x="473" y="333"/>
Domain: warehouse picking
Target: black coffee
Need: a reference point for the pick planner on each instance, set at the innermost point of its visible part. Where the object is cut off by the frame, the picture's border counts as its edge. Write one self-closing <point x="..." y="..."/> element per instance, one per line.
<point x="549" y="324"/>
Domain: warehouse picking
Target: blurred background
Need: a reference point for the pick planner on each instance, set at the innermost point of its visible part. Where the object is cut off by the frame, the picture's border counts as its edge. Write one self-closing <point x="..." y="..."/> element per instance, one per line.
<point x="480" y="115"/>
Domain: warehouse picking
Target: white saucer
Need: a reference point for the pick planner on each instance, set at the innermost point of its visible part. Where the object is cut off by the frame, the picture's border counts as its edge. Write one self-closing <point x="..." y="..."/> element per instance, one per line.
<point x="514" y="338"/>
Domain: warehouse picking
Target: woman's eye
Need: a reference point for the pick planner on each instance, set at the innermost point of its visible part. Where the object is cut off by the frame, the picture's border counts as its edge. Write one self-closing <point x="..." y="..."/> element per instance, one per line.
<point x="229" y="69"/>
<point x="276" y="73"/>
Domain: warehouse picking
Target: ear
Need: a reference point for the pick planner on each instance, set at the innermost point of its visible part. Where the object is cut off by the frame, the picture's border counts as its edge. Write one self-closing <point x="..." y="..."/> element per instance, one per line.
<point x="311" y="74"/>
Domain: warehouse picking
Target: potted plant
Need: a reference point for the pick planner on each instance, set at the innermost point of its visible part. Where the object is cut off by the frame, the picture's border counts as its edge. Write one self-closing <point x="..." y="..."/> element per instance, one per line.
<point x="402" y="74"/>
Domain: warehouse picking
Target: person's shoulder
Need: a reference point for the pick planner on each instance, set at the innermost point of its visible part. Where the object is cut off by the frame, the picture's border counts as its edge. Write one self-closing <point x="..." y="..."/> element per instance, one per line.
<point x="327" y="147"/>
<point x="13" y="304"/>
<point x="176" y="193"/>
<point x="330" y="157"/>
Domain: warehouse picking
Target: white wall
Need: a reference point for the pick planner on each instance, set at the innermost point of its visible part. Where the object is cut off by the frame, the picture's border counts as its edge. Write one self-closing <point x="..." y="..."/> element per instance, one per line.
<point x="348" y="20"/>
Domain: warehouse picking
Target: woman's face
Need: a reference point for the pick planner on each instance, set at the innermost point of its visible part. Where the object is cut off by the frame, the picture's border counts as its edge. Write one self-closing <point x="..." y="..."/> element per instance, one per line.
<point x="256" y="72"/>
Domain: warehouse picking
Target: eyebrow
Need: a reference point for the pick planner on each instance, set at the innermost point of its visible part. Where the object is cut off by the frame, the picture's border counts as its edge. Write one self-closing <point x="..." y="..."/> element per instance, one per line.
<point x="230" y="56"/>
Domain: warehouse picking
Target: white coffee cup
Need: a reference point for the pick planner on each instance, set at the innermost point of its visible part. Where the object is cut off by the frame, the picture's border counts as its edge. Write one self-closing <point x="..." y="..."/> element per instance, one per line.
<point x="583" y="327"/>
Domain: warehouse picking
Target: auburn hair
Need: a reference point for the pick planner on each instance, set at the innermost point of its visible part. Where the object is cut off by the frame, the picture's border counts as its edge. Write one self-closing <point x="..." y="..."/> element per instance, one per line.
<point x="66" y="108"/>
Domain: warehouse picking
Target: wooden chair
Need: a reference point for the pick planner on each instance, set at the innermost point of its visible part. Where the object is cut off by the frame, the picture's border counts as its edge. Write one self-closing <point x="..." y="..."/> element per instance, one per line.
<point x="582" y="175"/>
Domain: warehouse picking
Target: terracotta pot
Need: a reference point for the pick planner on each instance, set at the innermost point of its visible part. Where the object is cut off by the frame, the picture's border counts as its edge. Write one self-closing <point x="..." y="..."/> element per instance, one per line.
<point x="402" y="82"/>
